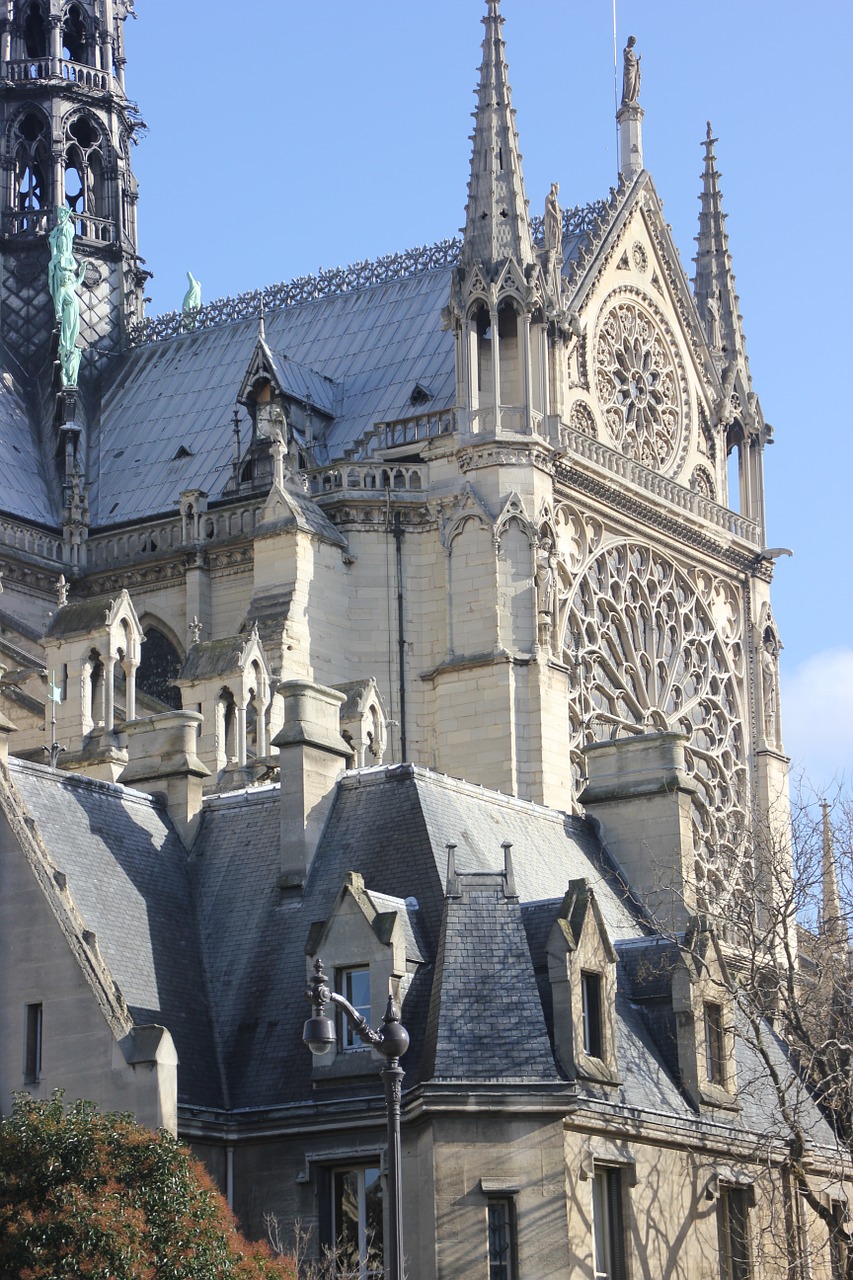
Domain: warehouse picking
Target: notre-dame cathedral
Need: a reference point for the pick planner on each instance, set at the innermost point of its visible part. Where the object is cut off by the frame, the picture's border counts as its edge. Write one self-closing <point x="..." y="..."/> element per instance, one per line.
<point x="401" y="618"/>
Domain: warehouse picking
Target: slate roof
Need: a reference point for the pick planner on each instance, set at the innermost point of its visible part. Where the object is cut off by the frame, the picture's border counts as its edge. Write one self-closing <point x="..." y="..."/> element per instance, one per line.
<point x="211" y="947"/>
<point x="213" y="658"/>
<point x="375" y="343"/>
<point x="128" y="876"/>
<point x="25" y="490"/>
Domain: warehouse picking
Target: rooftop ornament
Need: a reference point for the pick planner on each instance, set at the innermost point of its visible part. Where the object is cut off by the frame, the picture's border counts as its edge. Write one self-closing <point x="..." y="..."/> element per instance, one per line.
<point x="64" y="276"/>
<point x="392" y="1041"/>
<point x="585" y="220"/>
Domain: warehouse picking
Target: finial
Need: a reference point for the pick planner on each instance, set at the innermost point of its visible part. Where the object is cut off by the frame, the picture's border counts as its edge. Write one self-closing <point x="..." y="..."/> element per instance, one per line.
<point x="194" y="629"/>
<point x="62" y="591"/>
<point x="262" y="328"/>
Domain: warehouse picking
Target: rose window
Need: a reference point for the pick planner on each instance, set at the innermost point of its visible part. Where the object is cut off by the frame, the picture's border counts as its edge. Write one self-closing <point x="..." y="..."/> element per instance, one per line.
<point x="652" y="654"/>
<point x="638" y="386"/>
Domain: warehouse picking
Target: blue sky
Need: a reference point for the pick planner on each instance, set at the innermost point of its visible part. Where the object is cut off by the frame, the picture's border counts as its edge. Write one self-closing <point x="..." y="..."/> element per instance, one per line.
<point x="286" y="136"/>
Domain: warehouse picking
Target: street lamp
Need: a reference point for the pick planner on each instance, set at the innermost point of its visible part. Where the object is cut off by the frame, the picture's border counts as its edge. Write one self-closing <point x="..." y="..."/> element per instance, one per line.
<point x="392" y="1041"/>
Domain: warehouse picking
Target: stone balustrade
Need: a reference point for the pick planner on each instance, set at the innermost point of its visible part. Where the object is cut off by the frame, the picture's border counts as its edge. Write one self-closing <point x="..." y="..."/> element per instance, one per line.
<point x="696" y="504"/>
<point x="48" y="68"/>
<point x="36" y="542"/>
<point x="365" y="477"/>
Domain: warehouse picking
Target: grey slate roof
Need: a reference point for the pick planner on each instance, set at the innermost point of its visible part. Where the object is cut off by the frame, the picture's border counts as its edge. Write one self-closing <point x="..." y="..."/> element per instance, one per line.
<point x="210" y="947"/>
<point x="25" y="491"/>
<point x="375" y="343"/>
<point x="213" y="658"/>
<point x="79" y="617"/>
<point x="128" y="877"/>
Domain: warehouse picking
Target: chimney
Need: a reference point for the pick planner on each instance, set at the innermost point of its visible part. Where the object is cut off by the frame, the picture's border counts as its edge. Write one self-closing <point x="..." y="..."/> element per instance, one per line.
<point x="313" y="756"/>
<point x="162" y="760"/>
<point x="640" y="795"/>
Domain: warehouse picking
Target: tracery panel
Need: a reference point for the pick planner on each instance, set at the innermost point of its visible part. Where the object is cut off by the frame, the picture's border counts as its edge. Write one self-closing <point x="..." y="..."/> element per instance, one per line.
<point x="656" y="649"/>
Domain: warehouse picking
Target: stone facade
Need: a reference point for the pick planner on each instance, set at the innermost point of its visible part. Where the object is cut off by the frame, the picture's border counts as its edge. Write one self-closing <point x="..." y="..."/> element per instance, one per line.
<point x="282" y="562"/>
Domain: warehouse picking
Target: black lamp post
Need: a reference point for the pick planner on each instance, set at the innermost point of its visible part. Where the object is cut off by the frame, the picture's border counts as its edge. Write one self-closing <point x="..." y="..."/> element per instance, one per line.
<point x="392" y="1041"/>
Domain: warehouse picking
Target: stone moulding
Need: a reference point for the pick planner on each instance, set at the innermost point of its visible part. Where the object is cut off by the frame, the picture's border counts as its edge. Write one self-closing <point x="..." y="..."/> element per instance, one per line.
<point x="586" y="219"/>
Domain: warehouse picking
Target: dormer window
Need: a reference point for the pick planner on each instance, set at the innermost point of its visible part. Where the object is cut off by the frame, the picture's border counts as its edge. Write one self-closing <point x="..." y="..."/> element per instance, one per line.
<point x="354" y="985"/>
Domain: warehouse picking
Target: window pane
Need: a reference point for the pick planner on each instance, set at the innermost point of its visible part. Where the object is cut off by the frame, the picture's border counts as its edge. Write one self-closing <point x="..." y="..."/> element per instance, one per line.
<point x="354" y="985"/>
<point x="357" y="1223"/>
<point x="374" y="1244"/>
<point x="591" y="1000"/>
<point x="32" y="1053"/>
<point x="500" y="1240"/>
<point x="346" y="1216"/>
<point x="733" y="1230"/>
<point x="714" y="1044"/>
<point x="608" y="1232"/>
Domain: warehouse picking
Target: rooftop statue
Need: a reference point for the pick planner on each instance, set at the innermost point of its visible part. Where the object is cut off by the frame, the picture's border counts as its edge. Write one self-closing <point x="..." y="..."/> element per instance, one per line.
<point x="65" y="276"/>
<point x="631" y="73"/>
<point x="192" y="301"/>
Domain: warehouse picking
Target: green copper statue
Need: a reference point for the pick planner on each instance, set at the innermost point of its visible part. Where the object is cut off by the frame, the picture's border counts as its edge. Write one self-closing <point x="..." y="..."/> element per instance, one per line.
<point x="64" y="278"/>
<point x="192" y="302"/>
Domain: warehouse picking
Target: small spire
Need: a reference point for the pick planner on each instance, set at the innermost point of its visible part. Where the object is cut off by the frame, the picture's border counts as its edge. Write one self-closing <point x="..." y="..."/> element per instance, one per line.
<point x="832" y="919"/>
<point x="497" y="225"/>
<point x="714" y="282"/>
<point x="262" y="327"/>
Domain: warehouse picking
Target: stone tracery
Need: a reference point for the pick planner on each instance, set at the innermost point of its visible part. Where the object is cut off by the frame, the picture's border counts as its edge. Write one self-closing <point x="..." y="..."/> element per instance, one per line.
<point x="638" y="384"/>
<point x="655" y="651"/>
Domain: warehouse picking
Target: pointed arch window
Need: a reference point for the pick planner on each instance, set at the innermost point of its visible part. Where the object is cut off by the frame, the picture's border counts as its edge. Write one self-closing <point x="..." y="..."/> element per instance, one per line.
<point x="85" y="191"/>
<point x="30" y="195"/>
<point x="76" y="44"/>
<point x="34" y="28"/>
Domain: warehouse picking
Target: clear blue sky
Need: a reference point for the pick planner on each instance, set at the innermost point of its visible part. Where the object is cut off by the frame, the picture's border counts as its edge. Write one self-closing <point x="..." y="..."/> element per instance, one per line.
<point x="286" y="136"/>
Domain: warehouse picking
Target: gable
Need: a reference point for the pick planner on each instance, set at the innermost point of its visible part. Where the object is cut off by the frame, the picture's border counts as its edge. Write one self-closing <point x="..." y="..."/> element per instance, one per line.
<point x="641" y="376"/>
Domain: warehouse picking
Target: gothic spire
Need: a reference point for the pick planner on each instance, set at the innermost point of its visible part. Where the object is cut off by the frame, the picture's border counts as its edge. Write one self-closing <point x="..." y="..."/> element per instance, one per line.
<point x="832" y="918"/>
<point x="714" y="282"/>
<point x="497" y="225"/>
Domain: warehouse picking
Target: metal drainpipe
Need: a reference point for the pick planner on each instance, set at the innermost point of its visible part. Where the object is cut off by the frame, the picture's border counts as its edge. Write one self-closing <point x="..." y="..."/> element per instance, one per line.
<point x="401" y="643"/>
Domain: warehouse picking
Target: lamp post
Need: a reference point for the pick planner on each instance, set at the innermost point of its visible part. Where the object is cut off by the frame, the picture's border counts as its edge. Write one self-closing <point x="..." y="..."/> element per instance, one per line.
<point x="392" y="1041"/>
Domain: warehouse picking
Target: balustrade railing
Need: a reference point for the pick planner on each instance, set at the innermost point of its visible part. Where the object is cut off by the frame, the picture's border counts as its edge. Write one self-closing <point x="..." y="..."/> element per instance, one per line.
<point x="364" y="477"/>
<point x="404" y="431"/>
<point x="36" y="542"/>
<point x="47" y="68"/>
<point x="118" y="546"/>
<point x="659" y="486"/>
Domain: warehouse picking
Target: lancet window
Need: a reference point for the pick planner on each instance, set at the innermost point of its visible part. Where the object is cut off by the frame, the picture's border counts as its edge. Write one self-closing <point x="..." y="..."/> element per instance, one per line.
<point x="76" y="42"/>
<point x="85" y="192"/>
<point x="31" y="171"/>
<point x="34" y="29"/>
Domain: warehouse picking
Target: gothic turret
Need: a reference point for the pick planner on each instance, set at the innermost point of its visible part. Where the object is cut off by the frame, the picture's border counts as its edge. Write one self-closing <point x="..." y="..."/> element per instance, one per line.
<point x="499" y="292"/>
<point x="67" y="128"/>
<point x="718" y="304"/>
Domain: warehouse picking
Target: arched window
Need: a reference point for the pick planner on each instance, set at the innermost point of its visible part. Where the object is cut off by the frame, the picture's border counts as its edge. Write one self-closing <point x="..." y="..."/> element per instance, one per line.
<point x="35" y="30"/>
<point x="75" y="36"/>
<point x="31" y="173"/>
<point x="159" y="665"/>
<point x="226" y="729"/>
<point x="85" y="192"/>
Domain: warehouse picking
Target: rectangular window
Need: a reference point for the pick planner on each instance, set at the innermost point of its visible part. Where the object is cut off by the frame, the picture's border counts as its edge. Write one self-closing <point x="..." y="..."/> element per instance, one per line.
<point x="357" y="1222"/>
<point x="607" y="1224"/>
<point x="32" y="1048"/>
<point x="593" y="1044"/>
<point x="715" y="1045"/>
<point x="733" y="1232"/>
<point x="501" y="1239"/>
<point x="838" y="1244"/>
<point x="353" y="985"/>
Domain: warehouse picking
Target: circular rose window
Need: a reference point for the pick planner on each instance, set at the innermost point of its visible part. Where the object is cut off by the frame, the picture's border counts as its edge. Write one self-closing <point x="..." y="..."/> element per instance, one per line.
<point x="638" y="385"/>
